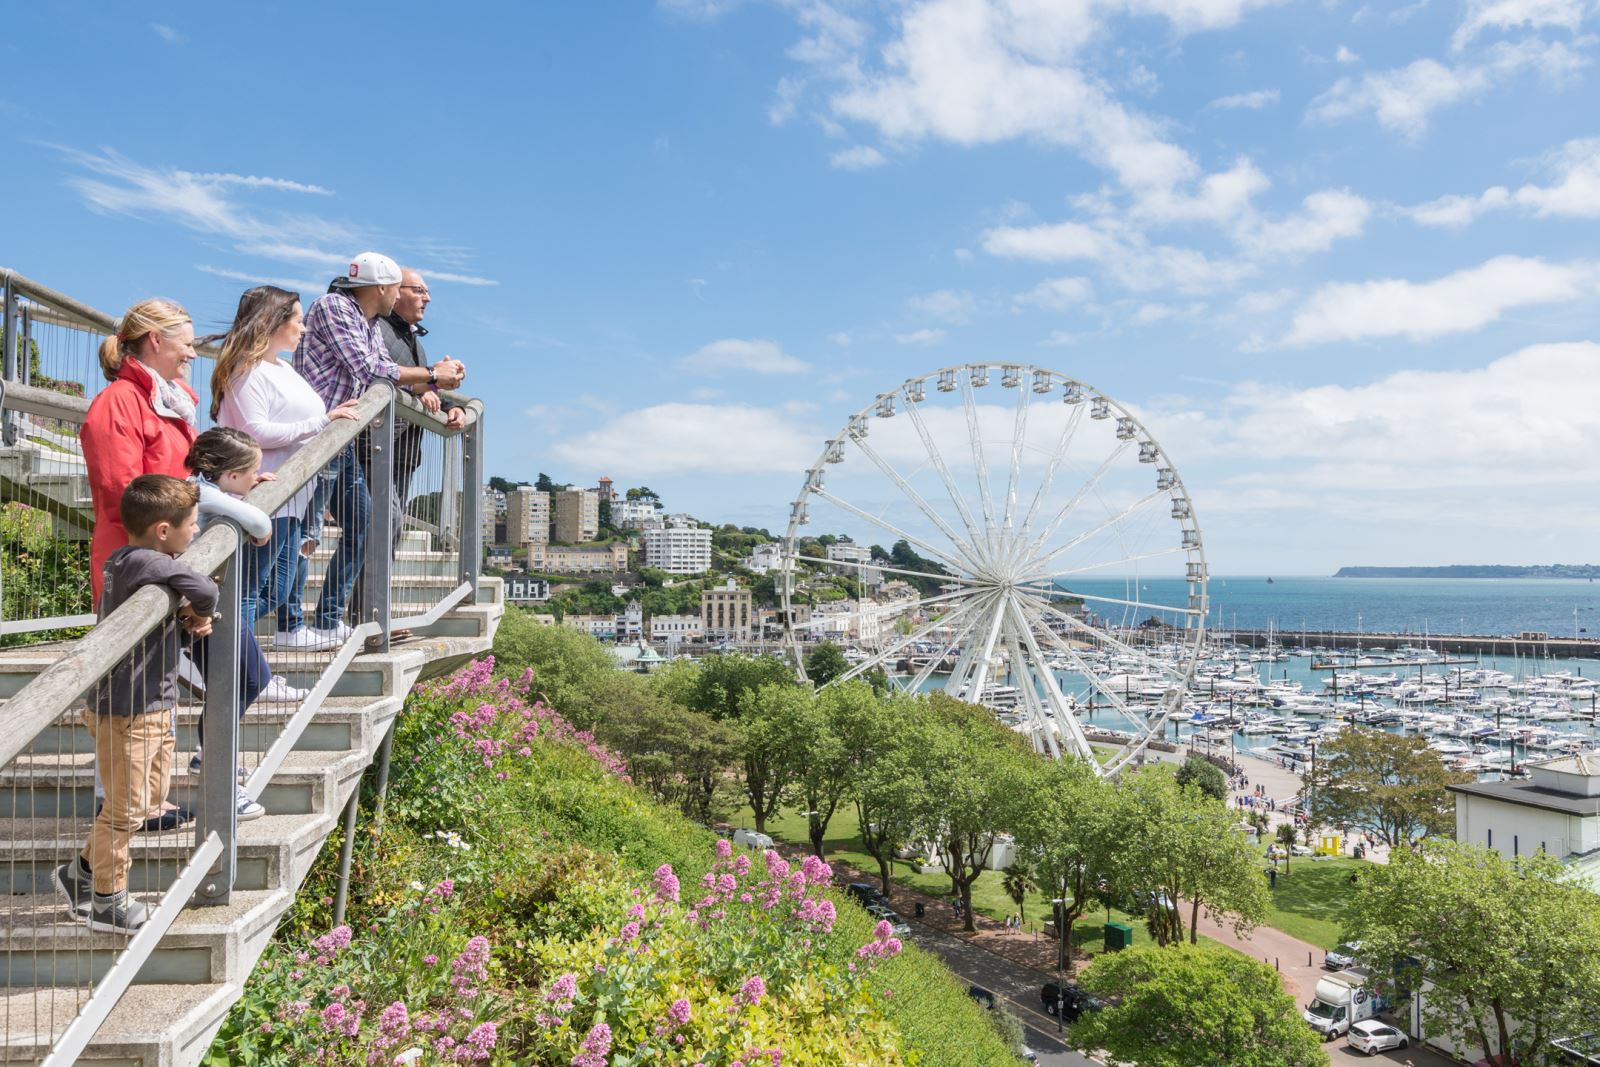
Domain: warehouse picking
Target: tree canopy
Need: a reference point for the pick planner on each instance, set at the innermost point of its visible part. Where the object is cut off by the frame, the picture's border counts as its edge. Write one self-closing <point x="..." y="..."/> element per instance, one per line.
<point x="1193" y="1006"/>
<point x="1500" y="939"/>
<point x="1393" y="784"/>
<point x="825" y="662"/>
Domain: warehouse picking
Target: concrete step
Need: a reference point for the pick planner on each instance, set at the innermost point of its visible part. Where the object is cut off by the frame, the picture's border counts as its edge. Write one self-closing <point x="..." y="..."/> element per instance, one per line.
<point x="41" y="944"/>
<point x="50" y="786"/>
<point x="138" y="1033"/>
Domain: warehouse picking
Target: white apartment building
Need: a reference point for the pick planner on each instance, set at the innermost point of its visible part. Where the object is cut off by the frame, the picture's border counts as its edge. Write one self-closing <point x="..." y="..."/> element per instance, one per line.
<point x="764" y="558"/>
<point x="632" y="514"/>
<point x="630" y="624"/>
<point x="527" y="517"/>
<point x="848" y="552"/>
<point x="678" y="549"/>
<point x="676" y="628"/>
<point x="521" y="589"/>
<point x="493" y="515"/>
<point x="577" y="515"/>
<point x="1557" y="811"/>
<point x="601" y="627"/>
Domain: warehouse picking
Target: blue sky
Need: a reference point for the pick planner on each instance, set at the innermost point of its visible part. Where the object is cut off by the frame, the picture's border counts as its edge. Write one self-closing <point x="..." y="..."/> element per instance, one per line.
<point x="1338" y="257"/>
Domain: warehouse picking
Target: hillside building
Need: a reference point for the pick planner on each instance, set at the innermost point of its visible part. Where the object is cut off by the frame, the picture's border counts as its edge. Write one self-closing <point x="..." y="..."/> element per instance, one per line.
<point x="610" y="558"/>
<point x="577" y="515"/>
<point x="678" y="549"/>
<point x="727" y="612"/>
<point x="527" y="517"/>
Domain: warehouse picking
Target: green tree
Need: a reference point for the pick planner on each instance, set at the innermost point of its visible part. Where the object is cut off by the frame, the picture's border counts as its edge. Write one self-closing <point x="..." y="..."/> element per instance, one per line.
<point x="825" y="663"/>
<point x="679" y="755"/>
<point x="1193" y="1006"/>
<point x="566" y="664"/>
<point x="976" y="786"/>
<point x="890" y="780"/>
<point x="1017" y="882"/>
<point x="1499" y="938"/>
<point x="830" y="733"/>
<point x="1178" y="845"/>
<point x="544" y="485"/>
<point x="1286" y="839"/>
<point x="724" y="679"/>
<point x="769" y="721"/>
<point x="1393" y="784"/>
<point x="1065" y="835"/>
<point x="1200" y="773"/>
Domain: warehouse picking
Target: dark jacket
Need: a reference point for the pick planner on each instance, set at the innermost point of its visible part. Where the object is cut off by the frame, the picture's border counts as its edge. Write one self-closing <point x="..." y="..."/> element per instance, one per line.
<point x="146" y="678"/>
<point x="404" y="342"/>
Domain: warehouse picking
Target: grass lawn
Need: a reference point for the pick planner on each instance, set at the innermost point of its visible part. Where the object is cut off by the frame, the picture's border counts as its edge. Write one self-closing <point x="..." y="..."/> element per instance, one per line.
<point x="842" y="842"/>
<point x="1311" y="898"/>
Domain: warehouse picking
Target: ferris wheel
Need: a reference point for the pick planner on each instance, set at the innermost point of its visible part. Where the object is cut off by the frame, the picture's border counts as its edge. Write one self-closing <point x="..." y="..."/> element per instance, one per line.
<point x="1046" y="560"/>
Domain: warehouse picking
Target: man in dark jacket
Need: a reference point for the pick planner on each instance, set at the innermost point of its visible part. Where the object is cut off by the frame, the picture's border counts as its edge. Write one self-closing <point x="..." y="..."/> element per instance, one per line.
<point x="402" y="333"/>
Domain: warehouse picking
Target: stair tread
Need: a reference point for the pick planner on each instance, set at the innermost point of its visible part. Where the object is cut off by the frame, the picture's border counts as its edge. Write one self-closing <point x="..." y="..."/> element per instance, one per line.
<point x="145" y="1014"/>
<point x="58" y="838"/>
<point x="37" y="916"/>
<point x="77" y="768"/>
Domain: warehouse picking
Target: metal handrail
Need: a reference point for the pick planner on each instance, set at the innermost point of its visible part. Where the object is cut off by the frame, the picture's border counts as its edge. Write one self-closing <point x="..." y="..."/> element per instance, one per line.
<point x="54" y="690"/>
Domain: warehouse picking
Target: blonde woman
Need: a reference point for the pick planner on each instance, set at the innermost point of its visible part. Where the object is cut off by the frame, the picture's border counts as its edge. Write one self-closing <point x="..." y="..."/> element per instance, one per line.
<point x="143" y="422"/>
<point x="256" y="390"/>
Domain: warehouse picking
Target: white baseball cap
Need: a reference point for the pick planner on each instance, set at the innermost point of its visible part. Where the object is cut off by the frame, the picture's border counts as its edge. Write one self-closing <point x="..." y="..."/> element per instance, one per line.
<point x="369" y="268"/>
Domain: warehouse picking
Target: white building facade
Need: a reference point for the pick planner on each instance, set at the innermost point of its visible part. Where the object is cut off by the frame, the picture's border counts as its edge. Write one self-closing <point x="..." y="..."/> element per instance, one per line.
<point x="678" y="549"/>
<point x="1556" y="811"/>
<point x="676" y="628"/>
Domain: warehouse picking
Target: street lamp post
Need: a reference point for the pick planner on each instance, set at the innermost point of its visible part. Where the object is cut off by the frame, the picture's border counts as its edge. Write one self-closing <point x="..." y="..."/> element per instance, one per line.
<point x="1058" y="906"/>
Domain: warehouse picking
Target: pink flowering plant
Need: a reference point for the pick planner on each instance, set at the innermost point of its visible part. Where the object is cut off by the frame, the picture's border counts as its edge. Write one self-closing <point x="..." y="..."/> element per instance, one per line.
<point x="732" y="968"/>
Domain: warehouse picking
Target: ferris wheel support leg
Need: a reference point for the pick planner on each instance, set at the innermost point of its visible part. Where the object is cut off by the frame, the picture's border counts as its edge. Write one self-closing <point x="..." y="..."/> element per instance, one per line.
<point x="957" y="636"/>
<point x="980" y="673"/>
<point x="1043" y="722"/>
<point x="1067" y="722"/>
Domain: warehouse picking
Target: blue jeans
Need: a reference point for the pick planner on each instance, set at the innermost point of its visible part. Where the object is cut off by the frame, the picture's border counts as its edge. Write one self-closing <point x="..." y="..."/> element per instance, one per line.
<point x="269" y="577"/>
<point x="254" y="673"/>
<point x="351" y="505"/>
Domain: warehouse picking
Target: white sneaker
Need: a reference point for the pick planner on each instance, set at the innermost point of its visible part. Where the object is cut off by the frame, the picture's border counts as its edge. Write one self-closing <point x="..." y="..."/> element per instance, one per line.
<point x="279" y="691"/>
<point x="305" y="639"/>
<point x="340" y="632"/>
<point x="249" y="809"/>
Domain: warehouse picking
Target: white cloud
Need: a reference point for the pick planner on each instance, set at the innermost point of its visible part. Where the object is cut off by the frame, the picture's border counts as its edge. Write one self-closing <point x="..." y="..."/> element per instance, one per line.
<point x="733" y="354"/>
<point x="1526" y="418"/>
<point x="1574" y="191"/>
<point x="1324" y="217"/>
<point x="840" y="338"/>
<point x="1057" y="294"/>
<point x="167" y="33"/>
<point x="924" y="336"/>
<point x="949" y="305"/>
<point x="1404" y="99"/>
<point x="861" y="157"/>
<point x="1251" y="101"/>
<point x="1344" y="55"/>
<point x="299" y="285"/>
<point x="1511" y="14"/>
<point x="1457" y="303"/>
<point x="786" y="100"/>
<point x="714" y="439"/>
<point x="1126" y="255"/>
<point x="459" y="279"/>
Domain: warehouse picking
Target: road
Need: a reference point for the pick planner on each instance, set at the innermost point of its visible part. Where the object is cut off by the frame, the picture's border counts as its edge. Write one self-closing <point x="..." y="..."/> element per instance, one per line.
<point x="1018" y="986"/>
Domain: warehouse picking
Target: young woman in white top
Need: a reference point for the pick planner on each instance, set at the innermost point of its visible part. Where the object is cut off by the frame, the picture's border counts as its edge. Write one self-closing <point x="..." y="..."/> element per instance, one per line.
<point x="255" y="390"/>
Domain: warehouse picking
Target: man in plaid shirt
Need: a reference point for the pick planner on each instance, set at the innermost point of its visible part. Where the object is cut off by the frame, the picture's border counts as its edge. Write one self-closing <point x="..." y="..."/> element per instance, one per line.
<point x="340" y="355"/>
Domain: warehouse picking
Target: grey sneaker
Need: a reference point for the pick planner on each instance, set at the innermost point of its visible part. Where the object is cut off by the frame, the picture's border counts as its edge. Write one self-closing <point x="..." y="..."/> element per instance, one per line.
<point x="76" y="885"/>
<point x="117" y="914"/>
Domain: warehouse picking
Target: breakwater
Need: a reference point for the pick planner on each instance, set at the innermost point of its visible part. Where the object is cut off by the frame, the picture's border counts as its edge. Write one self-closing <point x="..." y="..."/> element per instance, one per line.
<point x="1540" y="647"/>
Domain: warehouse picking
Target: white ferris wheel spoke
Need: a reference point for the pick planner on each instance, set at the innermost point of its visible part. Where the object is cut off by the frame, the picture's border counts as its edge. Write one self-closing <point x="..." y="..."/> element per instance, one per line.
<point x="1122" y="647"/>
<point x="1109" y="522"/>
<point x="888" y="569"/>
<point x="974" y="538"/>
<point x="1049" y="476"/>
<point x="966" y="551"/>
<point x="1019" y="431"/>
<point x="980" y="669"/>
<point x="975" y="434"/>
<point x="1040" y="720"/>
<point x="1062" y="713"/>
<point x="1096" y="682"/>
<point x="1033" y="582"/>
<point x="1131" y="603"/>
<point x="956" y="637"/>
<point x="1083" y="490"/>
<point x="890" y="527"/>
<point x="908" y="639"/>
<point x="884" y="611"/>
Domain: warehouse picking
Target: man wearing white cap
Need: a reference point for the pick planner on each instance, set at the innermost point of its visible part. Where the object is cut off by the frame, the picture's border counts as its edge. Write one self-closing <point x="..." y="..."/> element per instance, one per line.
<point x="340" y="355"/>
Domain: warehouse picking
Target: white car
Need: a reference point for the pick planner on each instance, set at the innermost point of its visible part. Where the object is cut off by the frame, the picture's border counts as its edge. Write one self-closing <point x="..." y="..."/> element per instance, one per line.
<point x="1372" y="1037"/>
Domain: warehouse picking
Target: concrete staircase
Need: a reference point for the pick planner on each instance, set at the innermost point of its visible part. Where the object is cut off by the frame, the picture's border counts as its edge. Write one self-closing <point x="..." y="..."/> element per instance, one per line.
<point x="183" y="993"/>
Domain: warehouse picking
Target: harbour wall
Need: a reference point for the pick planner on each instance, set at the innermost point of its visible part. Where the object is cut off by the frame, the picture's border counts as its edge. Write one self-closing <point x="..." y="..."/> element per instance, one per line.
<point x="1469" y="644"/>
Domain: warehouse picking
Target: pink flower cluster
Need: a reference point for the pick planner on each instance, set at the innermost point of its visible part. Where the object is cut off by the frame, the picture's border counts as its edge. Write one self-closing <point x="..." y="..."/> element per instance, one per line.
<point x="884" y="945"/>
<point x="596" y="1046"/>
<point x="470" y="968"/>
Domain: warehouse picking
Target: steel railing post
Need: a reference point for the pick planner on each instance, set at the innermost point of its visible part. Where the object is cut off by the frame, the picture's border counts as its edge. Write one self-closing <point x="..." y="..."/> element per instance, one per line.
<point x="219" y="787"/>
<point x="377" y="568"/>
<point x="8" y="356"/>
<point x="472" y="506"/>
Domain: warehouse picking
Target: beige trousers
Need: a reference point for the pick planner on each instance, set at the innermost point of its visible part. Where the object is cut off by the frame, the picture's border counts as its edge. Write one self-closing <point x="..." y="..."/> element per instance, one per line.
<point x="134" y="754"/>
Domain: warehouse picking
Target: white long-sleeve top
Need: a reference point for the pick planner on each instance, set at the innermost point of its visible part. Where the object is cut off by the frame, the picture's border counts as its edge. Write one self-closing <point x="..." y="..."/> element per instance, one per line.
<point x="273" y="404"/>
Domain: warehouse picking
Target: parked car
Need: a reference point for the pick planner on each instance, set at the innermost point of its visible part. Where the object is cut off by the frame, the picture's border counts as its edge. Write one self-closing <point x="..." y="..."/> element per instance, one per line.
<point x="751" y="839"/>
<point x="1342" y="956"/>
<point x="982" y="996"/>
<point x="883" y="911"/>
<point x="1072" y="1000"/>
<point x="1372" y="1037"/>
<point x="866" y="894"/>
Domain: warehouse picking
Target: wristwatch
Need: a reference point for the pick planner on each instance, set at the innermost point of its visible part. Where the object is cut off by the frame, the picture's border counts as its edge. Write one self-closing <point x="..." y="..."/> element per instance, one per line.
<point x="433" y="377"/>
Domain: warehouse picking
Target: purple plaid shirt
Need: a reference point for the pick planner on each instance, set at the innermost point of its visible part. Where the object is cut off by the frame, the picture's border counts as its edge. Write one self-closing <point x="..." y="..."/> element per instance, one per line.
<point x="341" y="352"/>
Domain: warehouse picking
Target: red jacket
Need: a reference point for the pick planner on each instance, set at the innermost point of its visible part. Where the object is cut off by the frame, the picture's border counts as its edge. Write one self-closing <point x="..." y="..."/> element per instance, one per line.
<point x="123" y="437"/>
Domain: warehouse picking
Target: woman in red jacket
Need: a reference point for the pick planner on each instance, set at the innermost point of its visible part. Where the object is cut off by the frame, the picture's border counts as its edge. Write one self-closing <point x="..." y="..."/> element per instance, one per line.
<point x="143" y="422"/>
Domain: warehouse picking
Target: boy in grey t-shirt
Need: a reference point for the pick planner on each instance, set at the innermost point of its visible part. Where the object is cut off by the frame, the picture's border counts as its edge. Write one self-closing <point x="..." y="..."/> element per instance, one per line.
<point x="129" y="712"/>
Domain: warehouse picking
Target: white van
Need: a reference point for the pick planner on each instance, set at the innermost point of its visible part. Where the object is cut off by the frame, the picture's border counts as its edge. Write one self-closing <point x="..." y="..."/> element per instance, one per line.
<point x="1342" y="999"/>
<point x="751" y="839"/>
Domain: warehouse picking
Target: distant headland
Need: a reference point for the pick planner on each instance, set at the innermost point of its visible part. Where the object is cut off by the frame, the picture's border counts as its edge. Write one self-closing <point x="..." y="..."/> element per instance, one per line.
<point x="1465" y="570"/>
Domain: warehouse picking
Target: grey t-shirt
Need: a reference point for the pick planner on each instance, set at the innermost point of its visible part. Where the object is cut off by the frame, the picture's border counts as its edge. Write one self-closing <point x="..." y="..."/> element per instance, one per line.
<point x="146" y="678"/>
